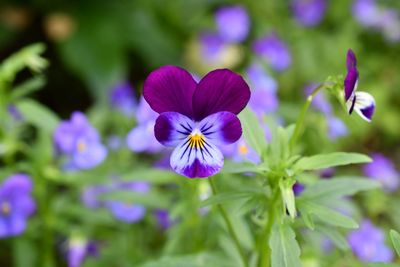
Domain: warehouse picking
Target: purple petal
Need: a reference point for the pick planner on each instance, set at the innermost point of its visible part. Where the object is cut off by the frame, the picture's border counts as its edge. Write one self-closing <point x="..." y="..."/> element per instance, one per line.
<point x="232" y="23"/>
<point x="350" y="83"/>
<point x="170" y="88"/>
<point x="221" y="128"/>
<point x="91" y="155"/>
<point x="141" y="139"/>
<point x="383" y="170"/>
<point x="351" y="61"/>
<point x="192" y="162"/>
<point x="128" y="213"/>
<point x="172" y="127"/>
<point x="220" y="90"/>
<point x="309" y="12"/>
<point x="364" y="105"/>
<point x="16" y="224"/>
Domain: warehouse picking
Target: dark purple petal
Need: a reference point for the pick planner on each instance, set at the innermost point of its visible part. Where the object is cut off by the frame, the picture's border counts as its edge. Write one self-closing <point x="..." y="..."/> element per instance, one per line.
<point x="170" y="88"/>
<point x="350" y="83"/>
<point x="221" y="128"/>
<point x="351" y="61"/>
<point x="172" y="127"/>
<point x="364" y="105"/>
<point x="220" y="90"/>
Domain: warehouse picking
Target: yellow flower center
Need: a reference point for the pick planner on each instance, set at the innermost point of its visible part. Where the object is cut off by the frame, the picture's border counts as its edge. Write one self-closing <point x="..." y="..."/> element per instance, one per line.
<point x="81" y="146"/>
<point x="196" y="140"/>
<point x="5" y="208"/>
<point x="243" y="149"/>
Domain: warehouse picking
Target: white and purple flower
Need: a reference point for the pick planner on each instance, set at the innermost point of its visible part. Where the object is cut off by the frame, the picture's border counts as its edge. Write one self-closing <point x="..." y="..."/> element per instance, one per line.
<point x="196" y="118"/>
<point x="361" y="102"/>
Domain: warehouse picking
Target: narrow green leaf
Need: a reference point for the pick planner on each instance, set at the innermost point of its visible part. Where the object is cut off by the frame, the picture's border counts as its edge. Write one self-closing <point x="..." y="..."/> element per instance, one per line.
<point x="39" y="115"/>
<point x="199" y="260"/>
<point x="380" y="264"/>
<point x="288" y="196"/>
<point x="337" y="238"/>
<point x="395" y="236"/>
<point x="323" y="161"/>
<point x="27" y="87"/>
<point x="327" y="215"/>
<point x="285" y="251"/>
<point x="150" y="199"/>
<point x="252" y="131"/>
<point x="338" y="187"/>
<point x="229" y="196"/>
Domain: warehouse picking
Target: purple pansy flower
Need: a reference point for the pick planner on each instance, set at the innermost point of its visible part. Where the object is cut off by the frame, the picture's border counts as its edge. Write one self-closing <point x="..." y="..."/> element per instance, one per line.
<point x="196" y="118"/>
<point x="141" y="137"/>
<point x="78" y="249"/>
<point x="363" y="103"/>
<point x="368" y="243"/>
<point x="16" y="204"/>
<point x="81" y="142"/>
<point x="367" y="13"/>
<point x="263" y="97"/>
<point x="274" y="51"/>
<point x="382" y="169"/>
<point x="126" y="212"/>
<point x="122" y="98"/>
<point x="232" y="23"/>
<point x="309" y="12"/>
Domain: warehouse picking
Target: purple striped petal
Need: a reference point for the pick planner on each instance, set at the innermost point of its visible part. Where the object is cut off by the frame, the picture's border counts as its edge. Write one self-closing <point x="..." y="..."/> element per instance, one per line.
<point x="364" y="105"/>
<point x="351" y="61"/>
<point x="220" y="90"/>
<point x="170" y="88"/>
<point x="350" y="83"/>
<point x="194" y="162"/>
<point x="172" y="127"/>
<point x="221" y="128"/>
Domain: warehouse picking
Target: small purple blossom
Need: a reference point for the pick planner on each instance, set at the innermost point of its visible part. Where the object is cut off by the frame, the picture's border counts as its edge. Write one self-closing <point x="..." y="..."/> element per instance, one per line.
<point x="368" y="243"/>
<point x="196" y="118"/>
<point x="363" y="103"/>
<point x="212" y="46"/>
<point x="233" y="23"/>
<point x="16" y="204"/>
<point x="274" y="51"/>
<point x="367" y="13"/>
<point x="309" y="12"/>
<point x="336" y="128"/>
<point x="390" y="24"/>
<point x="298" y="188"/>
<point x="263" y="97"/>
<point x="80" y="142"/>
<point x="241" y="152"/>
<point x="78" y="249"/>
<point x="126" y="212"/>
<point x="383" y="169"/>
<point x="163" y="218"/>
<point x="122" y="98"/>
<point x="141" y="137"/>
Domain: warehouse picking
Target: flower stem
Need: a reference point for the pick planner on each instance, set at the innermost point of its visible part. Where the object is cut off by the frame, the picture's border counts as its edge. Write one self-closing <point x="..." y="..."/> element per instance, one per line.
<point x="300" y="120"/>
<point x="229" y="225"/>
<point x="265" y="251"/>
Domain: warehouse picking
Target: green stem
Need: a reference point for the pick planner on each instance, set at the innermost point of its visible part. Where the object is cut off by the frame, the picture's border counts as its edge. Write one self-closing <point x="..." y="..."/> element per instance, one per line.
<point x="229" y="225"/>
<point x="300" y="120"/>
<point x="265" y="251"/>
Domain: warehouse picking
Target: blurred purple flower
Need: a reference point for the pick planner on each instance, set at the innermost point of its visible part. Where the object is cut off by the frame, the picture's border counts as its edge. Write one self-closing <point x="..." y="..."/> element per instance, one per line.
<point x="367" y="13"/>
<point x="241" y="152"/>
<point x="383" y="170"/>
<point x="126" y="212"/>
<point x="16" y="204"/>
<point x="122" y="98"/>
<point x="163" y="218"/>
<point x="274" y="51"/>
<point x="327" y="173"/>
<point x="14" y="112"/>
<point x="390" y="23"/>
<point x="232" y="23"/>
<point x="309" y="12"/>
<point x="141" y="137"/>
<point x="319" y="100"/>
<point x="336" y="128"/>
<point x="114" y="142"/>
<point x="78" y="140"/>
<point x="212" y="46"/>
<point x="78" y="249"/>
<point x="298" y="188"/>
<point x="368" y="243"/>
<point x="263" y="97"/>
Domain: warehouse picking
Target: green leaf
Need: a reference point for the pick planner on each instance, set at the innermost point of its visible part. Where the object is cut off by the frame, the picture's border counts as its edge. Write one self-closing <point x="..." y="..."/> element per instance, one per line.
<point x="243" y="167"/>
<point x="252" y="131"/>
<point x="151" y="175"/>
<point x="337" y="238"/>
<point x="338" y="187"/>
<point x="198" y="260"/>
<point x="286" y="187"/>
<point x="24" y="252"/>
<point x="149" y="199"/>
<point x="323" y="161"/>
<point x="380" y="264"/>
<point x="327" y="215"/>
<point x="39" y="115"/>
<point x="285" y="251"/>
<point x="395" y="236"/>
<point x="27" y="87"/>
<point x="230" y="196"/>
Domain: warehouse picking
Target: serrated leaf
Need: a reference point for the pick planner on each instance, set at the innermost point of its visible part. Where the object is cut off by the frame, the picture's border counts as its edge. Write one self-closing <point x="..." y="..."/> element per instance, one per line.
<point x="252" y="131"/>
<point x="285" y="251"/>
<point x="39" y="115"/>
<point x="323" y="161"/>
<point x="338" y="187"/>
<point x="327" y="215"/>
<point x="395" y="236"/>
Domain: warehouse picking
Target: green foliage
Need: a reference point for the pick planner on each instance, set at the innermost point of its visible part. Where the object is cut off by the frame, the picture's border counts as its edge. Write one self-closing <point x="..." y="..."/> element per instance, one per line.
<point x="284" y="247"/>
<point x="324" y="161"/>
<point x="395" y="236"/>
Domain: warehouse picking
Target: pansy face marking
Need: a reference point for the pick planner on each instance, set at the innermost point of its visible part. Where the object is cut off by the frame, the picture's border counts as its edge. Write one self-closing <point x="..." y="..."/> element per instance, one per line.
<point x="196" y="118"/>
<point x="361" y="102"/>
